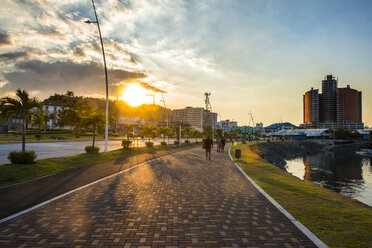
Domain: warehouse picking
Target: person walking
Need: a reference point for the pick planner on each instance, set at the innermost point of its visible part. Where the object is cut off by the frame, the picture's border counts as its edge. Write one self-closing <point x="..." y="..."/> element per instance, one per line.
<point x="223" y="143"/>
<point x="218" y="144"/>
<point x="207" y="145"/>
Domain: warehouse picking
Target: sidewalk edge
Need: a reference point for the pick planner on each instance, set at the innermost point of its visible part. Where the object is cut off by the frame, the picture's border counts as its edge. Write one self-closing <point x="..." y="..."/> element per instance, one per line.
<point x="298" y="224"/>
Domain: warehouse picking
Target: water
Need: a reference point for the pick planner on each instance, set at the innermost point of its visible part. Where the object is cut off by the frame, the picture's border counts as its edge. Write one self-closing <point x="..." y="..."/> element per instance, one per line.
<point x="344" y="172"/>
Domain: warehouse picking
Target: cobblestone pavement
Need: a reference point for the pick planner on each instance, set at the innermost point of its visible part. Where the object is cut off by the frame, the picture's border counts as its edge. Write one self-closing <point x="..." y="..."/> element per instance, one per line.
<point x="181" y="200"/>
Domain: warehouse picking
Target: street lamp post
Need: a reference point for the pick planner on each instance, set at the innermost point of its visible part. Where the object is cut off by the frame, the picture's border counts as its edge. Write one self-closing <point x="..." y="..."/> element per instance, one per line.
<point x="104" y="62"/>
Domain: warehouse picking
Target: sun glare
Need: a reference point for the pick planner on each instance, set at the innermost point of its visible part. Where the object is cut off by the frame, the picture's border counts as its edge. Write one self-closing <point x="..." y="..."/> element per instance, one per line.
<point x="134" y="95"/>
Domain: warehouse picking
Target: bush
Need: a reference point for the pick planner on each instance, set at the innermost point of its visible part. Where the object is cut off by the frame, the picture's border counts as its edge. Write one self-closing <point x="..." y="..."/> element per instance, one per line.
<point x="176" y="142"/>
<point x="163" y="143"/>
<point x="126" y="143"/>
<point x="21" y="132"/>
<point x="26" y="157"/>
<point x="38" y="136"/>
<point x="83" y="133"/>
<point x="113" y="134"/>
<point x="149" y="144"/>
<point x="187" y="141"/>
<point x="92" y="149"/>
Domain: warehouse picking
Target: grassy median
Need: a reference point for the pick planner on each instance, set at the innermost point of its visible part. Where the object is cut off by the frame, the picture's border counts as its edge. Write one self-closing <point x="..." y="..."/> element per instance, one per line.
<point x="7" y="139"/>
<point x="13" y="173"/>
<point x="336" y="219"/>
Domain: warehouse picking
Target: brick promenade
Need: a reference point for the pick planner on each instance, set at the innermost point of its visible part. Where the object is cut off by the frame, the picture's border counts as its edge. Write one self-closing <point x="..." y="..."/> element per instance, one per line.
<point x="180" y="200"/>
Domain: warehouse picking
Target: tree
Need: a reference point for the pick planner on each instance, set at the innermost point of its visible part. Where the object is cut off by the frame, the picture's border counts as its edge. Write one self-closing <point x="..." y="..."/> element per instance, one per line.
<point x="69" y="93"/>
<point x="113" y="116"/>
<point x="96" y="120"/>
<point x="38" y="121"/>
<point x="20" y="106"/>
<point x="148" y="131"/>
<point x="176" y="130"/>
<point x="207" y="132"/>
<point x="219" y="132"/>
<point x="162" y="131"/>
<point x="196" y="134"/>
<point x="73" y="116"/>
<point x="186" y="131"/>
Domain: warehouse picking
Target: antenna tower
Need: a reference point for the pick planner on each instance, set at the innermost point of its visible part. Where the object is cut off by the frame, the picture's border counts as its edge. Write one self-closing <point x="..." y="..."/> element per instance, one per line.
<point x="208" y="106"/>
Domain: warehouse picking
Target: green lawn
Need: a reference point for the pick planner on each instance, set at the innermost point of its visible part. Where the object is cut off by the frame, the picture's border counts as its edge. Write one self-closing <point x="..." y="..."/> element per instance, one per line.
<point x="337" y="220"/>
<point x="13" y="173"/>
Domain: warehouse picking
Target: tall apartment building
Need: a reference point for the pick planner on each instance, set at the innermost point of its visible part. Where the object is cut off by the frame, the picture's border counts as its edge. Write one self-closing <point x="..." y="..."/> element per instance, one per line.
<point x="350" y="104"/>
<point x="334" y="107"/>
<point x="195" y="117"/>
<point x="329" y="107"/>
<point x="311" y="106"/>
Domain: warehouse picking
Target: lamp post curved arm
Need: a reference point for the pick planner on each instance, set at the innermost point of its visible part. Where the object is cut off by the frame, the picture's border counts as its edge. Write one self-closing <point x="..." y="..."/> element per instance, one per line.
<point x="104" y="62"/>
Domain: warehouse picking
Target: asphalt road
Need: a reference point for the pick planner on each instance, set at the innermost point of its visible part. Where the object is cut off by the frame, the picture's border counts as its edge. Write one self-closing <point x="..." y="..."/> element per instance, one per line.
<point x="64" y="148"/>
<point x="179" y="200"/>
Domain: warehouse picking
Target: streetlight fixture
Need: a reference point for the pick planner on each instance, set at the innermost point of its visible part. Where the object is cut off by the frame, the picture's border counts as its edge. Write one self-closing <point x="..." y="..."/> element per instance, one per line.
<point x="104" y="62"/>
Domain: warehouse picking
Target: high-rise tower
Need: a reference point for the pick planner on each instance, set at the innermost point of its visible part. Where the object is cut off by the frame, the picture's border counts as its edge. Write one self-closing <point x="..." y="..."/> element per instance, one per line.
<point x="330" y="111"/>
<point x="334" y="107"/>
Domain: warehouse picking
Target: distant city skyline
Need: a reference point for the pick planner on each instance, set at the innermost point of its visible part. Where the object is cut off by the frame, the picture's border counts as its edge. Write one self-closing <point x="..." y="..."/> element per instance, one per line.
<point x="258" y="56"/>
<point x="333" y="107"/>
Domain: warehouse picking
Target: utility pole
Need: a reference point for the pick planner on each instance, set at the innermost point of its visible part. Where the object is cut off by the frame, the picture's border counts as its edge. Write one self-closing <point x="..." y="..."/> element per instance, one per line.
<point x="104" y="62"/>
<point x="153" y="98"/>
<point x="179" y="142"/>
<point x="166" y="112"/>
<point x="165" y="106"/>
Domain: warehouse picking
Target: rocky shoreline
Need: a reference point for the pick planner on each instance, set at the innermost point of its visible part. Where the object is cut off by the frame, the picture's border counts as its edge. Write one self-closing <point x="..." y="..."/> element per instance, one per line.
<point x="277" y="152"/>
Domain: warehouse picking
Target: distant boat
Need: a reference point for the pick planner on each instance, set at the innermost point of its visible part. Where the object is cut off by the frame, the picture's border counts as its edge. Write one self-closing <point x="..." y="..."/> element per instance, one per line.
<point x="364" y="152"/>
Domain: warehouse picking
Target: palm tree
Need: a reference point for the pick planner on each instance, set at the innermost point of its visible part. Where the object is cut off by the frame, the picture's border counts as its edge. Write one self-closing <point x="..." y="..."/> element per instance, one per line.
<point x="20" y="106"/>
<point x="195" y="134"/>
<point x="187" y="132"/>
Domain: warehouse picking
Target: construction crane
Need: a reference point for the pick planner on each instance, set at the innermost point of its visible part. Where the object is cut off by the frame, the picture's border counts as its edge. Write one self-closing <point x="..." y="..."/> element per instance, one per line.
<point x="251" y="119"/>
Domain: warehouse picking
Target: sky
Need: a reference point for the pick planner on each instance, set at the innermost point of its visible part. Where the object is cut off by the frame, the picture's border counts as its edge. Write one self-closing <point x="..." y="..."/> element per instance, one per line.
<point x="259" y="56"/>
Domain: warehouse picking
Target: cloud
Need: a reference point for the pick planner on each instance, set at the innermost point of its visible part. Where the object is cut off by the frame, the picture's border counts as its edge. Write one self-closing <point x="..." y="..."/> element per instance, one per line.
<point x="52" y="33"/>
<point x="12" y="56"/>
<point x="47" y="77"/>
<point x="5" y="39"/>
<point x="151" y="87"/>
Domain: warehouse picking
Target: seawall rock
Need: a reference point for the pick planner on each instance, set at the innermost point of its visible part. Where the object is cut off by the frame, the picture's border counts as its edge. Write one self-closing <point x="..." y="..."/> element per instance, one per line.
<point x="277" y="152"/>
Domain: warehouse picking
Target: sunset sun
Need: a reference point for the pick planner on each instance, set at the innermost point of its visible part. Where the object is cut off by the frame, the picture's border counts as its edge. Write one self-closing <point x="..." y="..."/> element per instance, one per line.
<point x="134" y="95"/>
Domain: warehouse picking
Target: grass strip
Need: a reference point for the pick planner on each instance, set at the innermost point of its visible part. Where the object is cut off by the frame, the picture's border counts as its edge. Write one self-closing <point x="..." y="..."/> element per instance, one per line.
<point x="49" y="138"/>
<point x="337" y="220"/>
<point x="14" y="173"/>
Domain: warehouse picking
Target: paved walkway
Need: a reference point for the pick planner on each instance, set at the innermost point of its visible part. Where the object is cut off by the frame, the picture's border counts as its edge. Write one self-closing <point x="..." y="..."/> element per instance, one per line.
<point x="179" y="200"/>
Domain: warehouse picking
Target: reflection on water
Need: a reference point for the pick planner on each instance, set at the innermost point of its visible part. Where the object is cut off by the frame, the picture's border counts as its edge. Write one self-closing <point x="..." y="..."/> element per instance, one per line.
<point x="344" y="172"/>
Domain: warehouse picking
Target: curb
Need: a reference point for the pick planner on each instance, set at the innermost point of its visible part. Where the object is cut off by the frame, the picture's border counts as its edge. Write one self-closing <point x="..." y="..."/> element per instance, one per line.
<point x="298" y="224"/>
